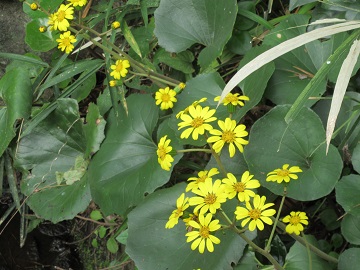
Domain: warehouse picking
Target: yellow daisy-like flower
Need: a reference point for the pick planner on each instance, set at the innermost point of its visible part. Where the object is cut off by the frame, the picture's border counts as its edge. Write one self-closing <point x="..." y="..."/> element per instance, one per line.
<point x="283" y="174"/>
<point x="115" y="25"/>
<point x="202" y="236"/>
<point x="164" y="158"/>
<point x="165" y="98"/>
<point x="34" y="6"/>
<point x="202" y="176"/>
<point x="120" y="69"/>
<point x="194" y="104"/>
<point x="295" y="219"/>
<point x="59" y="20"/>
<point x="242" y="188"/>
<point x="186" y="220"/>
<point x="181" y="206"/>
<point x="197" y="121"/>
<point x="231" y="134"/>
<point x="234" y="99"/>
<point x="66" y="41"/>
<point x="257" y="214"/>
<point x="42" y="29"/>
<point x="210" y="197"/>
<point x="79" y="3"/>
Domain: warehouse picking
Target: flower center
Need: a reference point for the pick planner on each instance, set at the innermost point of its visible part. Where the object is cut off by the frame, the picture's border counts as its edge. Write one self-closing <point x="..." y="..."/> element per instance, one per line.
<point x="239" y="187"/>
<point x="197" y="122"/>
<point x="119" y="67"/>
<point x="231" y="98"/>
<point x="210" y="199"/>
<point x="66" y="41"/>
<point x="179" y="212"/>
<point x="161" y="152"/>
<point x="283" y="173"/>
<point x="165" y="97"/>
<point x="61" y="15"/>
<point x="228" y="136"/>
<point x="295" y="220"/>
<point x="254" y="214"/>
<point x="204" y="232"/>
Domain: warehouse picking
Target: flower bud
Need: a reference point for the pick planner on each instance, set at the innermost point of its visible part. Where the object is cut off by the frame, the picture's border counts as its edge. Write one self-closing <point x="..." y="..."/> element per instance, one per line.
<point x="34" y="6"/>
<point x="115" y="25"/>
<point x="42" y="29"/>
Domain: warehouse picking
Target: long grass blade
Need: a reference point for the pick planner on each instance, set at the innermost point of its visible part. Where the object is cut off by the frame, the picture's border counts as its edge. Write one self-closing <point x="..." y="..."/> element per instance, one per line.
<point x="284" y="48"/>
<point x="340" y="88"/>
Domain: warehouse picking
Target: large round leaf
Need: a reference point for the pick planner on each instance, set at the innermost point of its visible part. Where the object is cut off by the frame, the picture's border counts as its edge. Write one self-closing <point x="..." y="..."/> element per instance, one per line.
<point x="350" y="228"/>
<point x="38" y="41"/>
<point x="51" y="148"/>
<point x="347" y="194"/>
<point x="152" y="246"/>
<point x="349" y="259"/>
<point x="301" y="143"/>
<point x="125" y="168"/>
<point x="180" y="24"/>
<point x="356" y="158"/>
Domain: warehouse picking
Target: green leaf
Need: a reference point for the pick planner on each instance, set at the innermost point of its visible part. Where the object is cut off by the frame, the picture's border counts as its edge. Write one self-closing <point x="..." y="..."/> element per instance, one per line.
<point x="297" y="3"/>
<point x="347" y="194"/>
<point x="15" y="89"/>
<point x="298" y="257"/>
<point x="122" y="237"/>
<point x="112" y="245"/>
<point x="96" y="215"/>
<point x="30" y="58"/>
<point x="53" y="146"/>
<point x="301" y="143"/>
<point x="356" y="158"/>
<point x="38" y="41"/>
<point x="102" y="231"/>
<point x="94" y="130"/>
<point x="181" y="61"/>
<point x="152" y="246"/>
<point x="83" y="90"/>
<point x="94" y="243"/>
<point x="130" y="38"/>
<point x="125" y="168"/>
<point x="349" y="258"/>
<point x="350" y="229"/>
<point x="207" y="22"/>
<point x="144" y="36"/>
<point x="247" y="262"/>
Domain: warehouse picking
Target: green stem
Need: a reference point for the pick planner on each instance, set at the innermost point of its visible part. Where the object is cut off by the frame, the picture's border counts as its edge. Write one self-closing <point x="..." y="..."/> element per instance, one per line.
<point x="308" y="251"/>
<point x="148" y="75"/>
<point x="302" y="241"/>
<point x="194" y="150"/>
<point x="267" y="248"/>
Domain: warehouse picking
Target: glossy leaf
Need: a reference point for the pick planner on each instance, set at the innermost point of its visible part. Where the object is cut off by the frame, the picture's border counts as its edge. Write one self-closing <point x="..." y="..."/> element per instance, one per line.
<point x="125" y="169"/>
<point x="298" y="257"/>
<point x="181" y="61"/>
<point x="301" y="143"/>
<point x="207" y="22"/>
<point x="347" y="194"/>
<point x="15" y="89"/>
<point x="349" y="258"/>
<point x="38" y="41"/>
<point x="152" y="246"/>
<point x="52" y="146"/>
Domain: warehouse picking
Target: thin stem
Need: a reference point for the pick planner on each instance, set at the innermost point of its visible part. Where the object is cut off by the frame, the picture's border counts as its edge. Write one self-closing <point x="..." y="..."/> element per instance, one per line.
<point x="267" y="248"/>
<point x="302" y="241"/>
<point x="97" y="222"/>
<point x="308" y="251"/>
<point x="154" y="78"/>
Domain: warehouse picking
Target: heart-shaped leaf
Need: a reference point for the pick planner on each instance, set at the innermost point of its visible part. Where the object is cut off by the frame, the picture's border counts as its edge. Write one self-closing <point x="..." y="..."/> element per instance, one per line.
<point x="301" y="143"/>
<point x="347" y="194"/>
<point x="180" y="24"/>
<point x="349" y="258"/>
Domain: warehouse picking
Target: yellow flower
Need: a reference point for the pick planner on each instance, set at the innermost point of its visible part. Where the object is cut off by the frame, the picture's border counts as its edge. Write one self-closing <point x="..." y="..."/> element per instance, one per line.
<point x="79" y="3"/>
<point x="42" y="29"/>
<point x="112" y="83"/>
<point x="210" y="197"/>
<point x="284" y="174"/>
<point x="194" y="217"/>
<point x="234" y="99"/>
<point x="59" y="20"/>
<point x="119" y="69"/>
<point x="65" y="42"/>
<point x="115" y="25"/>
<point x="164" y="158"/>
<point x="197" y="121"/>
<point x="202" y="176"/>
<point x="242" y="188"/>
<point x="203" y="237"/>
<point x="165" y="98"/>
<point x="295" y="219"/>
<point x="182" y="85"/>
<point x="257" y="214"/>
<point x="230" y="134"/>
<point x="194" y="104"/>
<point x="181" y="206"/>
<point x="34" y="6"/>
